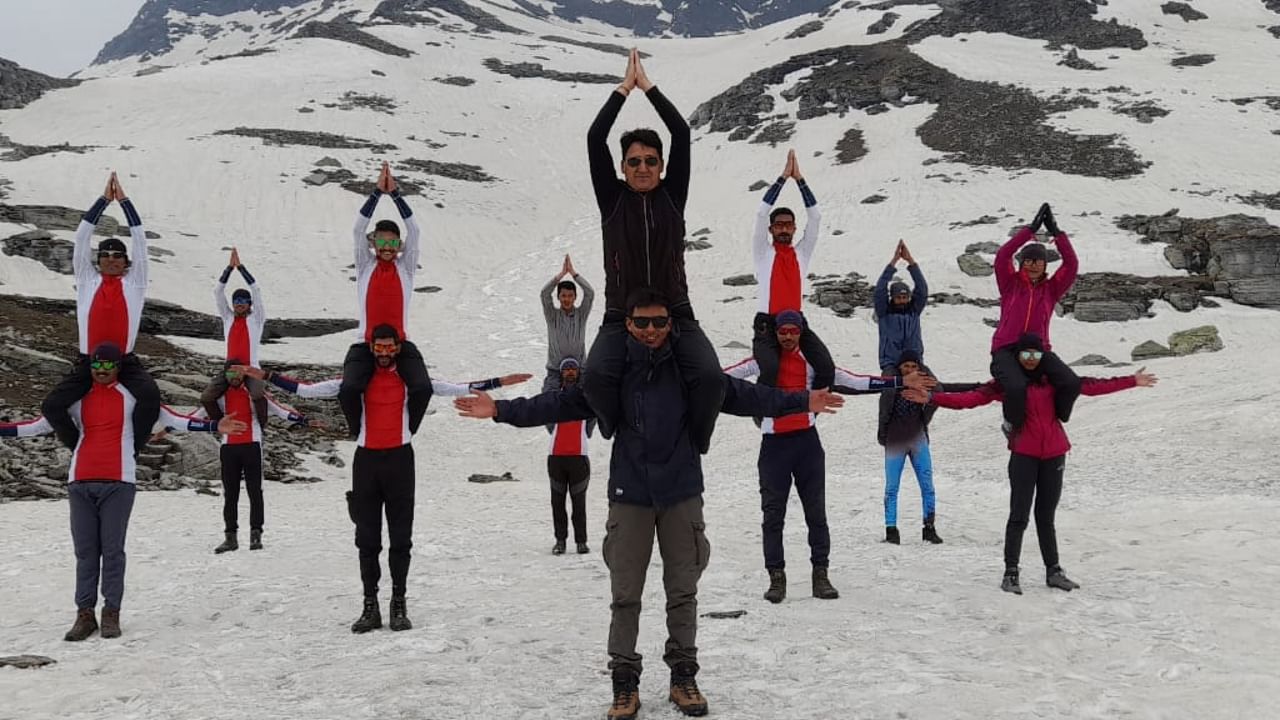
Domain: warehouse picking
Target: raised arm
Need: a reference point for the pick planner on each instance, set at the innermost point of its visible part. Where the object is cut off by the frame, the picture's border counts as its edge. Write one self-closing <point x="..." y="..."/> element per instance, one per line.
<point x="1004" y="258"/>
<point x="676" y="179"/>
<point x="256" y="293"/>
<point x="761" y="241"/>
<point x="360" y="233"/>
<point x="220" y="296"/>
<point x="920" y="295"/>
<point x="411" y="251"/>
<point x="588" y="295"/>
<point x="604" y="178"/>
<point x="81" y="253"/>
<point x="548" y="299"/>
<point x="29" y="428"/>
<point x="1065" y="276"/>
<point x="880" y="298"/>
<point x="137" y="274"/>
<point x="813" y="225"/>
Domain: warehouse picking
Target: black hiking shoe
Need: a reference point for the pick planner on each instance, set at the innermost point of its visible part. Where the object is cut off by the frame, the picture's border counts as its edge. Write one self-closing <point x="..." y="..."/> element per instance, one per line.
<point x="1010" y="582"/>
<point x="1055" y="578"/>
<point x="255" y="539"/>
<point x="229" y="544"/>
<point x="684" y="690"/>
<point x="777" y="591"/>
<point x="86" y="624"/>
<point x="558" y="548"/>
<point x="583" y="549"/>
<point x="626" y="697"/>
<point x="930" y="534"/>
<point x="370" y="619"/>
<point x="891" y="535"/>
<point x="399" y="615"/>
<point x="822" y="587"/>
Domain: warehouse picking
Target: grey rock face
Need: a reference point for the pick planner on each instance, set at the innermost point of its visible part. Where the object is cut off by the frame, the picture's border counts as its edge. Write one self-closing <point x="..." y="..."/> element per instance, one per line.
<point x="535" y="70"/>
<point x="43" y="247"/>
<point x="974" y="265"/>
<point x="1197" y="60"/>
<point x="680" y="17"/>
<point x="56" y="217"/>
<point x="348" y="32"/>
<point x="428" y="12"/>
<point x="20" y="86"/>
<point x="1183" y="10"/>
<point x="1150" y="350"/>
<point x="277" y="136"/>
<point x="882" y="25"/>
<point x="152" y="33"/>
<point x="1200" y="339"/>
<point x="808" y="28"/>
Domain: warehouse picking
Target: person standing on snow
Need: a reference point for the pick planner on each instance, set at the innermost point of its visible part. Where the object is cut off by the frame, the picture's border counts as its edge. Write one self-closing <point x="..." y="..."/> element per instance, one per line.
<point x="898" y="308"/>
<point x="566" y="324"/>
<point x="1037" y="454"/>
<point x="100" y="489"/>
<point x="569" y="468"/>
<point x="243" y="322"/>
<point x="642" y="224"/>
<point x="1027" y="300"/>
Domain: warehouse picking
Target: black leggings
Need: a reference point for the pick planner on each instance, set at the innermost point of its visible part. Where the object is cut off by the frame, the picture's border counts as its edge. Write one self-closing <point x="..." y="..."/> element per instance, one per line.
<point x="242" y="461"/>
<point x="1037" y="483"/>
<point x="383" y="480"/>
<point x="1008" y="372"/>
<point x="764" y="347"/>
<point x="570" y="475"/>
<point x="357" y="370"/>
<point x="699" y="367"/>
<point x="75" y="384"/>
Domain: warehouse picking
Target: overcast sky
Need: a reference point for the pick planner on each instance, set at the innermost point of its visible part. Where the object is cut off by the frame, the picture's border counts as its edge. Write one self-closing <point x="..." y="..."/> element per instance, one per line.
<point x="58" y="37"/>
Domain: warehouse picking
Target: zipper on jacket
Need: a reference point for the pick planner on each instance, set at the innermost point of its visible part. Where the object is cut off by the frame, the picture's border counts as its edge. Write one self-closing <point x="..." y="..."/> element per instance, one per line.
<point x="1026" y="323"/>
<point x="648" y="262"/>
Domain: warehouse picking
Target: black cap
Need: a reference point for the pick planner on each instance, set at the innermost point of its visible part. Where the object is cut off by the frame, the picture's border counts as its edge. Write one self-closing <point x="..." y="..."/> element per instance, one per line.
<point x="907" y="356"/>
<point x="113" y="244"/>
<point x="241" y="297"/>
<point x="108" y="351"/>
<point x="1033" y="251"/>
<point x="899" y="288"/>
<point x="387" y="226"/>
<point x="1030" y="341"/>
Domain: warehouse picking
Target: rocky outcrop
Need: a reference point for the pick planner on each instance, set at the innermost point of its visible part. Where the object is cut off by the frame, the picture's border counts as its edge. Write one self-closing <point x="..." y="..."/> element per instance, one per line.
<point x="775" y="133"/>
<point x="535" y="70"/>
<point x="851" y="148"/>
<point x="18" y="151"/>
<point x="1270" y="201"/>
<point x="1183" y="10"/>
<point x="43" y="247"/>
<point x="611" y="48"/>
<point x="25" y="661"/>
<point x="882" y="25"/>
<point x="278" y="136"/>
<point x="1073" y="60"/>
<point x="852" y="78"/>
<point x="1237" y="255"/>
<point x="456" y="80"/>
<point x="739" y="280"/>
<point x="431" y="12"/>
<point x="842" y="295"/>
<point x="974" y="265"/>
<point x="352" y="100"/>
<point x="808" y="28"/>
<point x="1197" y="60"/>
<point x="451" y="170"/>
<point x="1116" y="297"/>
<point x="55" y="217"/>
<point x="704" y="18"/>
<point x="1199" y="339"/>
<point x="346" y="31"/>
<point x="1150" y="350"/>
<point x="1144" y="112"/>
<point x="20" y="86"/>
<point x="1059" y="22"/>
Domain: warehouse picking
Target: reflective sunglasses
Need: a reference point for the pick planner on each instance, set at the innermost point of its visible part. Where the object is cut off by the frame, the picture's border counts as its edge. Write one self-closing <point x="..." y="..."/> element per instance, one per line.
<point x="386" y="242"/>
<point x="232" y="374"/>
<point x="104" y="364"/>
<point x="658" y="322"/>
<point x="634" y="162"/>
<point x="385" y="349"/>
<point x="789" y="330"/>
<point x="113" y="254"/>
<point x="1031" y="354"/>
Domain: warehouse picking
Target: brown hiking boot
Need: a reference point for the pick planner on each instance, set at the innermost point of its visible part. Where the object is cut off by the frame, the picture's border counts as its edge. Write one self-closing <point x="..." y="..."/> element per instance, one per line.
<point x="684" y="691"/>
<point x="110" y="623"/>
<point x="626" y="698"/>
<point x="85" y="626"/>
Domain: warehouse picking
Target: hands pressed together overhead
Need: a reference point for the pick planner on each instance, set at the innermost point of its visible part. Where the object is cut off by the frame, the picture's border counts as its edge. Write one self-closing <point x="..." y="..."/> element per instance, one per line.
<point x="386" y="183"/>
<point x="635" y="76"/>
<point x="1044" y="218"/>
<point x="902" y="253"/>
<point x="114" y="192"/>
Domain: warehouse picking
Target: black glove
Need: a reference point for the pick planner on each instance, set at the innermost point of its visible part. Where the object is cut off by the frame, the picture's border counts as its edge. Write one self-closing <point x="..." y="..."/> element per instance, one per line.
<point x="1050" y="223"/>
<point x="1039" y="220"/>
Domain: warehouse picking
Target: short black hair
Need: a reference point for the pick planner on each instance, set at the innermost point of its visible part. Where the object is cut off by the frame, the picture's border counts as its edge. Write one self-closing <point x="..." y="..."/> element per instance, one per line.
<point x="387" y="226"/>
<point x="781" y="211"/>
<point x="233" y="361"/>
<point x="566" y="285"/>
<point x="644" y="136"/>
<point x="646" y="297"/>
<point x="386" y="332"/>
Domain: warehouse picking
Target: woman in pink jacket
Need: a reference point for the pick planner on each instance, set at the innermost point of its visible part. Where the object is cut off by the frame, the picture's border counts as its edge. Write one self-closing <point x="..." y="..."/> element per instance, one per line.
<point x="1028" y="296"/>
<point x="1037" y="456"/>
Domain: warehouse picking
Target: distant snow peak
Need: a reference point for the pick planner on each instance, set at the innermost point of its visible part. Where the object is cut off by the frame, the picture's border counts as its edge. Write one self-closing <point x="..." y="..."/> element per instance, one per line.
<point x="654" y="18"/>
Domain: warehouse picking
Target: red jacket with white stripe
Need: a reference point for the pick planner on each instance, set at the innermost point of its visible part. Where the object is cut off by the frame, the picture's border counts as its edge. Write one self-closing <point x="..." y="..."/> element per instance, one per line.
<point x="781" y="283"/>
<point x="242" y="334"/>
<point x="109" y="308"/>
<point x="1042" y="435"/>
<point x="384" y="289"/>
<point x="237" y="400"/>
<point x="795" y="374"/>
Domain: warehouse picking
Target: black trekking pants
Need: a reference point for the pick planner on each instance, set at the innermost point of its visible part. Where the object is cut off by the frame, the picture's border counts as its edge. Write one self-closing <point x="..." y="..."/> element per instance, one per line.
<point x="241" y="462"/>
<point x="75" y="384"/>
<point x="570" y="475"/>
<point x="383" y="481"/>
<point x="1006" y="371"/>
<point x="1037" y="483"/>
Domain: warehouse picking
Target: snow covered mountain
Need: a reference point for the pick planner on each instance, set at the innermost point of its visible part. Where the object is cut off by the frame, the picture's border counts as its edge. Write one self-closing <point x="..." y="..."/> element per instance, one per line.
<point x="260" y="124"/>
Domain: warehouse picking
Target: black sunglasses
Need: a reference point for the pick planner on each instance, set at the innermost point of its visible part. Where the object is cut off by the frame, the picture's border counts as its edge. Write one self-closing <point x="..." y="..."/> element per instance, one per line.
<point x="658" y="322"/>
<point x="650" y="160"/>
<point x="113" y="254"/>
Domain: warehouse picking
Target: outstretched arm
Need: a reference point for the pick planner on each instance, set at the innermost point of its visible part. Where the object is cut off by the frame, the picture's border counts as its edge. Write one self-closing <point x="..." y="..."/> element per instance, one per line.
<point x="984" y="395"/>
<point x="753" y="400"/>
<point x="1105" y="386"/>
<point x="29" y="428"/>
<point x="444" y="388"/>
<point x="284" y="412"/>
<point x="847" y="383"/>
<point x="320" y="390"/>
<point x="549" y="407"/>
<point x="748" y="368"/>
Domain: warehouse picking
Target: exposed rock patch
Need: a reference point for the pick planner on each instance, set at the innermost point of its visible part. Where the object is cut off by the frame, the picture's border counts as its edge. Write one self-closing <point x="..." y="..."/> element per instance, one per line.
<point x="20" y="86"/>
<point x="353" y="100"/>
<point x="281" y="137"/>
<point x="1073" y="60"/>
<point x="1197" y="60"/>
<point x="1144" y="112"/>
<point x="56" y="217"/>
<point x="1269" y="201"/>
<point x="535" y="70"/>
<point x="808" y="28"/>
<point x="348" y="32"/>
<point x="1183" y="10"/>
<point x="457" y="80"/>
<point x="775" y="133"/>
<point x="851" y="148"/>
<point x="428" y="12"/>
<point x="18" y="151"/>
<point x="611" y="48"/>
<point x="1059" y="22"/>
<point x="882" y="25"/>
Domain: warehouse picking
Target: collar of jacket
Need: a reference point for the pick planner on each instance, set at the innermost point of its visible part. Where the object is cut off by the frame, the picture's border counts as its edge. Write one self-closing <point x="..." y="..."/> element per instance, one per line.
<point x="639" y="354"/>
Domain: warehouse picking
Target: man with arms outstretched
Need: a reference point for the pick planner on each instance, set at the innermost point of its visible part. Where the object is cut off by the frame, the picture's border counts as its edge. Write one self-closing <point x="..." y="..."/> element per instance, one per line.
<point x="655" y="486"/>
<point x="109" y="302"/>
<point x="642" y="223"/>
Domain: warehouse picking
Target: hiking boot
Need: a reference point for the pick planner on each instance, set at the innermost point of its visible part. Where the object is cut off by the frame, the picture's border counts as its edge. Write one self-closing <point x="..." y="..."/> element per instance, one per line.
<point x="583" y="549"/>
<point x="399" y="615"/>
<point x="85" y="625"/>
<point x="370" y="619"/>
<point x="684" y="691"/>
<point x="777" y="586"/>
<point x="930" y="534"/>
<point x="822" y="588"/>
<point x="891" y="535"/>
<point x="255" y="539"/>
<point x="1055" y="578"/>
<point x="231" y="543"/>
<point x="558" y="548"/>
<point x="1010" y="582"/>
<point x="110" y="623"/>
<point x="626" y="697"/>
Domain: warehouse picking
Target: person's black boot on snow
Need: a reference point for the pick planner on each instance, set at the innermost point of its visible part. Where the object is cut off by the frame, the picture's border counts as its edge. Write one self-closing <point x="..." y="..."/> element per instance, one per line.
<point x="255" y="539"/>
<point x="558" y="548"/>
<point x="822" y="587"/>
<point x="777" y="591"/>
<point x="370" y="619"/>
<point x="583" y="549"/>
<point x="891" y="535"/>
<point x="1055" y="578"/>
<point x="399" y="615"/>
<point x="229" y="544"/>
<point x="1010" y="582"/>
<point x="930" y="534"/>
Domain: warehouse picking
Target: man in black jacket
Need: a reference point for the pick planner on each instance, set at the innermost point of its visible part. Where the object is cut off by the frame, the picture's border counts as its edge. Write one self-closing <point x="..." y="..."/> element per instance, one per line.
<point x="655" y="485"/>
<point x="642" y="224"/>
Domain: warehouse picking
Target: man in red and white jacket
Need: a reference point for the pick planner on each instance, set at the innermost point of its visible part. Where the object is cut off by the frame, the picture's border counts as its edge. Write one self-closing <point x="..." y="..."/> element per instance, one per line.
<point x="569" y="469"/>
<point x="109" y="300"/>
<point x="790" y="450"/>
<point x="382" y="473"/>
<point x="242" y="324"/>
<point x="241" y="456"/>
<point x="101" y="484"/>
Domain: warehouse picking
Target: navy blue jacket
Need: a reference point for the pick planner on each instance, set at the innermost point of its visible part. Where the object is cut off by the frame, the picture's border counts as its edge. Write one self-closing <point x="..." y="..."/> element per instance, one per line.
<point x="900" y="327"/>
<point x="654" y="462"/>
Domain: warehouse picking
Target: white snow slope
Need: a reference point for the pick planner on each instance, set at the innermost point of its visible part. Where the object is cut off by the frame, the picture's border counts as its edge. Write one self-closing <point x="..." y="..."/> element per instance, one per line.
<point x="1167" y="518"/>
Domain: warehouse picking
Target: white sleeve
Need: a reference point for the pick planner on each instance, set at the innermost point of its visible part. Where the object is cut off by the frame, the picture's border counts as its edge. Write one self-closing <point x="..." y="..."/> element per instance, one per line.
<point x="31" y="428"/>
<point x="412" y="245"/>
<point x="282" y="411"/>
<point x="360" y="234"/>
<point x="220" y="301"/>
<point x="81" y="253"/>
<point x="761" y="242"/>
<point x="444" y="388"/>
<point x="137" y="274"/>
<point x="746" y="369"/>
<point x="320" y="390"/>
<point x="809" y="241"/>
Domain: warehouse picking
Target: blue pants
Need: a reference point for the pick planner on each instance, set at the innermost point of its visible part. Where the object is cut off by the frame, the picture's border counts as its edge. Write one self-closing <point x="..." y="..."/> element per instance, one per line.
<point x="798" y="456"/>
<point x="895" y="460"/>
<point x="99" y="519"/>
